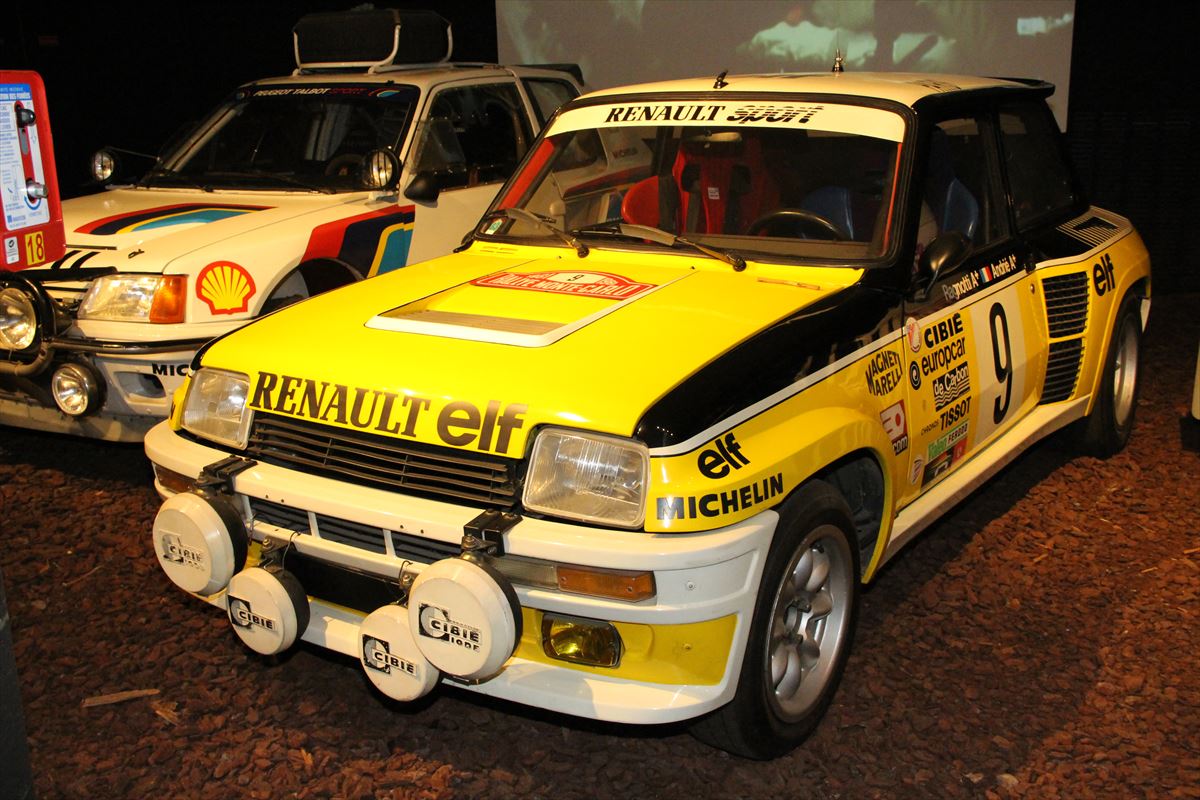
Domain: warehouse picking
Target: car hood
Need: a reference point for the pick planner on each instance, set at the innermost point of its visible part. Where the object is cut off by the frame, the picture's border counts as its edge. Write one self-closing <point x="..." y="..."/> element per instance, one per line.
<point x="144" y="230"/>
<point x="441" y="351"/>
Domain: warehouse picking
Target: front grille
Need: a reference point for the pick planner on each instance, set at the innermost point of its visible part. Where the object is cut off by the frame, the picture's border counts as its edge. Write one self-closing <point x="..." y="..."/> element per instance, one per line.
<point x="384" y="462"/>
<point x="1066" y="304"/>
<point x="1062" y="370"/>
<point x="353" y="534"/>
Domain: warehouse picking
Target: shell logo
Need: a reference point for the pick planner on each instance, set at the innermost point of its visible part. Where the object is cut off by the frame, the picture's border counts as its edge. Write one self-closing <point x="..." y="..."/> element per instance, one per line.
<point x="225" y="287"/>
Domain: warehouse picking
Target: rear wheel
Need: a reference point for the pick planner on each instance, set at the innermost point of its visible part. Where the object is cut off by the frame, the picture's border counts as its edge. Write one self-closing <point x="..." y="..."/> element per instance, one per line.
<point x="1106" y="430"/>
<point x="801" y="632"/>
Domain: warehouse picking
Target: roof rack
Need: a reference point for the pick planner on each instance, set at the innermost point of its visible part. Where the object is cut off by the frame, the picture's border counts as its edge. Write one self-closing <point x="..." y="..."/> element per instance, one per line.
<point x="374" y="40"/>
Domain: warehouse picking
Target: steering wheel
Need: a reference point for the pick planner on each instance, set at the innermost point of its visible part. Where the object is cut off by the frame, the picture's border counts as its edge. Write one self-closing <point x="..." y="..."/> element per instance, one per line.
<point x="809" y="224"/>
<point x="345" y="164"/>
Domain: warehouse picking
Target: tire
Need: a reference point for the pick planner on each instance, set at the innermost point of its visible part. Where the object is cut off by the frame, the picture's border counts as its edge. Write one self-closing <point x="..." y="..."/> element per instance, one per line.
<point x="1106" y="430"/>
<point x="786" y="684"/>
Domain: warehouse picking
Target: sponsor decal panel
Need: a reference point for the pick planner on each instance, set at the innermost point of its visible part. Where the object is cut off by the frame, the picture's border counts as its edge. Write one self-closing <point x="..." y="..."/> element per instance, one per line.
<point x="588" y="284"/>
<point x="982" y="276"/>
<point x="716" y="504"/>
<point x="225" y="287"/>
<point x="458" y="423"/>
<point x="912" y="332"/>
<point x="895" y="424"/>
<point x="171" y="370"/>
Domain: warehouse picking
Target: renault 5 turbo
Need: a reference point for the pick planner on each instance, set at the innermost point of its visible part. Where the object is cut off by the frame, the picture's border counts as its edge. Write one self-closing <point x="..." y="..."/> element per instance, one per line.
<point x="374" y="153"/>
<point x="717" y="352"/>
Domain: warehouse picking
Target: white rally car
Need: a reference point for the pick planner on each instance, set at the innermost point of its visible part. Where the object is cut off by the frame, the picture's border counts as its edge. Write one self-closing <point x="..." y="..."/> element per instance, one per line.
<point x="355" y="164"/>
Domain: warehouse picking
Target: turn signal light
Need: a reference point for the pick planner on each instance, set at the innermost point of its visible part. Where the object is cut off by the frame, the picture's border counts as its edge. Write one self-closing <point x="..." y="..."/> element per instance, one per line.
<point x="173" y="481"/>
<point x="170" y="299"/>
<point x="617" y="584"/>
<point x="581" y="641"/>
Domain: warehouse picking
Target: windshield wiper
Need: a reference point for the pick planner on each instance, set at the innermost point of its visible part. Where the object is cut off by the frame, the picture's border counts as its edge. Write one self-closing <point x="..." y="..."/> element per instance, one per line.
<point x="275" y="176"/>
<point x="660" y="236"/>
<point x="167" y="172"/>
<point x="546" y="223"/>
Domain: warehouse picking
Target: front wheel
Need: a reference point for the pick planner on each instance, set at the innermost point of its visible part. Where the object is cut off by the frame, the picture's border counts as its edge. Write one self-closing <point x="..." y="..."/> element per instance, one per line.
<point x="1106" y="430"/>
<point x="801" y="631"/>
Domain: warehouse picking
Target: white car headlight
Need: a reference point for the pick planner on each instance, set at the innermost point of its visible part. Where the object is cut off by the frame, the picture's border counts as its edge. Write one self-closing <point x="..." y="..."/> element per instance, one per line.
<point x="588" y="477"/>
<point x="135" y="298"/>
<point x="215" y="406"/>
<point x="18" y="319"/>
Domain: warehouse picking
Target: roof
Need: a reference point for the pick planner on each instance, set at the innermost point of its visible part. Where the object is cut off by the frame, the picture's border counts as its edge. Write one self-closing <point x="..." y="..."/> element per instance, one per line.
<point x="902" y="87"/>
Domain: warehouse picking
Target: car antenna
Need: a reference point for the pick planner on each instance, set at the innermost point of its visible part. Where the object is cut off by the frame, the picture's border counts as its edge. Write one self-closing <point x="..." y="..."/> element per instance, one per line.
<point x="721" y="83"/>
<point x="839" y="63"/>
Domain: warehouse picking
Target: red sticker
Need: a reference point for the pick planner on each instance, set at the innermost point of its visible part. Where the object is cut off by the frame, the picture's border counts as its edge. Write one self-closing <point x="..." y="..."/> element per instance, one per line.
<point x="589" y="284"/>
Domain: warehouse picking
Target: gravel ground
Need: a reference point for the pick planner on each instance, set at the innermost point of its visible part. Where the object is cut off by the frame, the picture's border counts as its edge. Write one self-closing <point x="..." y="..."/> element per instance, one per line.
<point x="1041" y="641"/>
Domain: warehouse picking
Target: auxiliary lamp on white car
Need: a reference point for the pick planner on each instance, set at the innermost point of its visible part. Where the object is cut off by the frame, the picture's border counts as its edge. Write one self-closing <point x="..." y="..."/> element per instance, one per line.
<point x="18" y="319"/>
<point x="77" y="389"/>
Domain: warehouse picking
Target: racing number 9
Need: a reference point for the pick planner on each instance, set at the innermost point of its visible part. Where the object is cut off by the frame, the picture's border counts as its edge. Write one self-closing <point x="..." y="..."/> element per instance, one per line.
<point x="1001" y="361"/>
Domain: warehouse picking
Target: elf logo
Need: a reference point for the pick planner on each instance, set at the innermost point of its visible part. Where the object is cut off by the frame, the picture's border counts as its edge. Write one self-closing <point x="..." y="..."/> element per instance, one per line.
<point x="717" y="461"/>
<point x="1103" y="275"/>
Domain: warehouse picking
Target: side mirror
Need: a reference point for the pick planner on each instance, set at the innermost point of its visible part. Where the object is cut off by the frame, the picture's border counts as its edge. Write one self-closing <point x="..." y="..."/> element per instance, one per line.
<point x="380" y="170"/>
<point x="424" y="187"/>
<point x="942" y="255"/>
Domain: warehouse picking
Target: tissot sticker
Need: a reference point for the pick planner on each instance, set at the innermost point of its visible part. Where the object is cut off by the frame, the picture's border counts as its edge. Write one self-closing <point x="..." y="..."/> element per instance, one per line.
<point x="225" y="287"/>
<point x="724" y="456"/>
<point x="457" y="423"/>
<point x="588" y="284"/>
<point x="895" y="424"/>
<point x="719" y="503"/>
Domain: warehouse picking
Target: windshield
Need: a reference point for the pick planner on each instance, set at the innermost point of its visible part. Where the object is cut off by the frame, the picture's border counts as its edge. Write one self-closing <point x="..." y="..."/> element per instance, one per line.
<point x="779" y="182"/>
<point x="300" y="138"/>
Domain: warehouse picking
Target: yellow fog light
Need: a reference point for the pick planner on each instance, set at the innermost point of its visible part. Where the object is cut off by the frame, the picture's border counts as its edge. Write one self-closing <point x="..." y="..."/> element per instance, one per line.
<point x="581" y="641"/>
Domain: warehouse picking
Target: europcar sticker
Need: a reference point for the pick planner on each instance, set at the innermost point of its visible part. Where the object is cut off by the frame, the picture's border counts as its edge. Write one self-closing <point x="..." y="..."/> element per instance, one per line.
<point x="830" y="117"/>
<point x="590" y="284"/>
<point x="226" y="287"/>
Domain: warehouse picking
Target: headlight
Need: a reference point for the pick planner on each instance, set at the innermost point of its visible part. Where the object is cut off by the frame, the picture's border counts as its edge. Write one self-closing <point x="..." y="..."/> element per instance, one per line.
<point x="136" y="298"/>
<point x="103" y="165"/>
<point x="18" y="320"/>
<point x="588" y="477"/>
<point x="215" y="407"/>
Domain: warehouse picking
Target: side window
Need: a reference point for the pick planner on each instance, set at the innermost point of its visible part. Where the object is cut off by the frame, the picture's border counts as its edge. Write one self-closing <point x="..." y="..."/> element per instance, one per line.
<point x="1038" y="175"/>
<point x="473" y="135"/>
<point x="547" y="95"/>
<point x="960" y="193"/>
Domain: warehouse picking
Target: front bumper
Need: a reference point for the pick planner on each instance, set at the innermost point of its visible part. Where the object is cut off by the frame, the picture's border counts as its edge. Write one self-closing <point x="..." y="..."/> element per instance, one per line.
<point x="702" y="580"/>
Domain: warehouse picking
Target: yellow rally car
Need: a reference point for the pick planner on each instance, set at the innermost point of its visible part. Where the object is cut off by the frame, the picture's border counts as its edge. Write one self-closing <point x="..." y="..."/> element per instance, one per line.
<point x="716" y="353"/>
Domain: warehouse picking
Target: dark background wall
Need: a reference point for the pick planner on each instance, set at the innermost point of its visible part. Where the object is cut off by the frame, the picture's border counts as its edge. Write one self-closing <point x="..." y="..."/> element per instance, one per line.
<point x="131" y="76"/>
